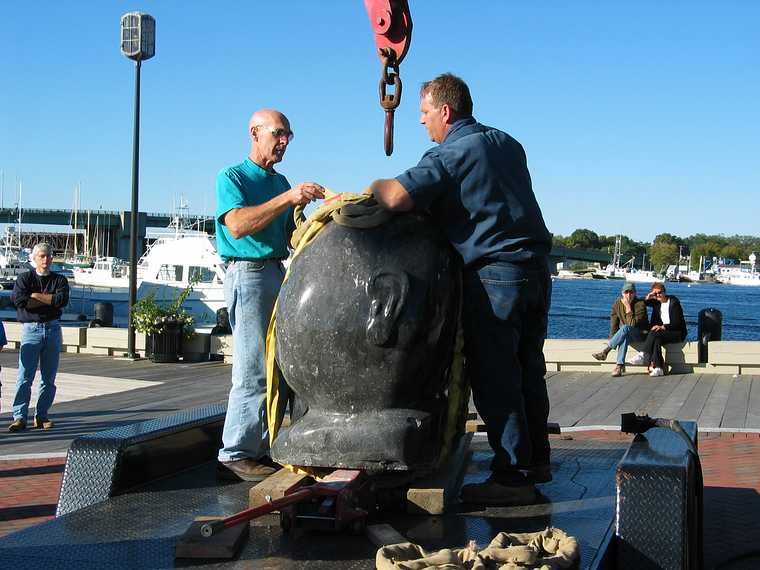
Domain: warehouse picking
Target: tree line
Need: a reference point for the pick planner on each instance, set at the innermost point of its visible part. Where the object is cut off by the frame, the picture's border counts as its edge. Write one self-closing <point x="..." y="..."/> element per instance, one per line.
<point x="666" y="249"/>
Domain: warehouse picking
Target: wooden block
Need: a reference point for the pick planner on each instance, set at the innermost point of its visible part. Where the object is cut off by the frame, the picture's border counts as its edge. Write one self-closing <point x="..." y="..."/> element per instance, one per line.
<point x="430" y="495"/>
<point x="223" y="544"/>
<point x="275" y="487"/>
<point x="384" y="534"/>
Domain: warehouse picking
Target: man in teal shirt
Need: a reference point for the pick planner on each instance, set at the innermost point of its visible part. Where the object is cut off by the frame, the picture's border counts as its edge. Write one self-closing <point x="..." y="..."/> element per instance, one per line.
<point x="254" y="220"/>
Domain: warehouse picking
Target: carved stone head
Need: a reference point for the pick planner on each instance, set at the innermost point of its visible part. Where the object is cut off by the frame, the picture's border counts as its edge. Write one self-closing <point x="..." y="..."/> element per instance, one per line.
<point x="365" y="330"/>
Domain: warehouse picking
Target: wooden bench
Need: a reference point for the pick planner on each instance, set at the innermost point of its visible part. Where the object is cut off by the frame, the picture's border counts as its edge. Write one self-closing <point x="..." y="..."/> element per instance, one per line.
<point x="74" y="338"/>
<point x="112" y="341"/>
<point x="574" y="355"/>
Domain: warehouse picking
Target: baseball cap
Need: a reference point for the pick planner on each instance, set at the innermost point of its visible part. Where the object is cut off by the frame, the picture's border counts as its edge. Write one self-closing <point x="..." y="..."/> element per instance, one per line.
<point x="628" y="287"/>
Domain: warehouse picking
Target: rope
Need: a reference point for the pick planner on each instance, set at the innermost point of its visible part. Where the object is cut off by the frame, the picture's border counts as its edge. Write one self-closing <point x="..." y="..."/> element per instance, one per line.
<point x="550" y="549"/>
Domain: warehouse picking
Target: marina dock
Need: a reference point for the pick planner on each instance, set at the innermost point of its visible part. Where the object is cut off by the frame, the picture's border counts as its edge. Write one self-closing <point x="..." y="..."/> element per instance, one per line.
<point x="97" y="393"/>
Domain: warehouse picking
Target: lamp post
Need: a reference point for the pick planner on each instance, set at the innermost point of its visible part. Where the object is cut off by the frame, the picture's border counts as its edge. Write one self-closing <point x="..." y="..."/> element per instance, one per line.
<point x="138" y="42"/>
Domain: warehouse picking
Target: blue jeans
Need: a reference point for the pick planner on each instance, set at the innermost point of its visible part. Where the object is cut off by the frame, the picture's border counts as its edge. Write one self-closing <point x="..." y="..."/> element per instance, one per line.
<point x="505" y="318"/>
<point x="250" y="291"/>
<point x="40" y="344"/>
<point x="622" y="338"/>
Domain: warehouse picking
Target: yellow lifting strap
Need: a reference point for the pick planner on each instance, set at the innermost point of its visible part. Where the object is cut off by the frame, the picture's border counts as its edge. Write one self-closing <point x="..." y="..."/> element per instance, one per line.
<point x="362" y="211"/>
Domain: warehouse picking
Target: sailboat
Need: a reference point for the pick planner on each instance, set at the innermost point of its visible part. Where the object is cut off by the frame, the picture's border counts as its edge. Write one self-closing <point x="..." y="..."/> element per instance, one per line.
<point x="76" y="259"/>
<point x="13" y="258"/>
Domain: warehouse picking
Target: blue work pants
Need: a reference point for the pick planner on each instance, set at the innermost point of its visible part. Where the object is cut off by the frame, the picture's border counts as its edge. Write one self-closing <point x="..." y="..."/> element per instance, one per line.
<point x="250" y="291"/>
<point x="40" y="345"/>
<point x="505" y="317"/>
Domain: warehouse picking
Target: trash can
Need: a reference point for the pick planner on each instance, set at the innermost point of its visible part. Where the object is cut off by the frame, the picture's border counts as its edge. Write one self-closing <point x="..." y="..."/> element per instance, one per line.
<point x="709" y="328"/>
<point x="103" y="314"/>
<point x="166" y="346"/>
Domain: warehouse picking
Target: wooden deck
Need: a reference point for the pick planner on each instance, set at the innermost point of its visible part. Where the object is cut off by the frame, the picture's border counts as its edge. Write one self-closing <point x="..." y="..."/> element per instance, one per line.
<point x="720" y="402"/>
<point x="97" y="393"/>
<point x="166" y="389"/>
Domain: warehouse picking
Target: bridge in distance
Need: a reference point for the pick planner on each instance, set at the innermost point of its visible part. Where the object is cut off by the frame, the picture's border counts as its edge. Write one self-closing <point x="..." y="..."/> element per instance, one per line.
<point x="113" y="230"/>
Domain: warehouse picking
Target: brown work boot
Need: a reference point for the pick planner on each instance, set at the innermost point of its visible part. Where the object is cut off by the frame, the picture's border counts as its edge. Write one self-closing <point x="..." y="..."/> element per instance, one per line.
<point x="602" y="354"/>
<point x="42" y="423"/>
<point x="492" y="493"/>
<point x="17" y="425"/>
<point x="619" y="369"/>
<point x="247" y="469"/>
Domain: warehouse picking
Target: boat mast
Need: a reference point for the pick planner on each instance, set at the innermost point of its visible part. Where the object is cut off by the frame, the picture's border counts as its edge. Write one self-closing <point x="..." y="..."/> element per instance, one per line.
<point x="76" y="210"/>
<point x="20" y="186"/>
<point x="87" y="237"/>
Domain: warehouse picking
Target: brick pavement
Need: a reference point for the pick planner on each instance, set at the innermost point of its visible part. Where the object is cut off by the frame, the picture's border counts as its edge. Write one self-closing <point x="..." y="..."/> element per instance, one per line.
<point x="730" y="463"/>
<point x="28" y="491"/>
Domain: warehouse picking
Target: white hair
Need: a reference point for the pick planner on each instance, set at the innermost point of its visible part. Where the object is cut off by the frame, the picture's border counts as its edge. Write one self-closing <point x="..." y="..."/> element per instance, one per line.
<point x="42" y="246"/>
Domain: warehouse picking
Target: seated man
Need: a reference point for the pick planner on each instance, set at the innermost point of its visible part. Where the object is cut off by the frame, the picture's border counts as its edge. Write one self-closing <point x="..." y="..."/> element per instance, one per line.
<point x="628" y="322"/>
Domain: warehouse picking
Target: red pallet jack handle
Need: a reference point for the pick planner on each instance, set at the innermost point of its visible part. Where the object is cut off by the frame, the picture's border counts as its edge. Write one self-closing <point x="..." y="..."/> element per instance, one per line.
<point x="209" y="528"/>
<point x="333" y="484"/>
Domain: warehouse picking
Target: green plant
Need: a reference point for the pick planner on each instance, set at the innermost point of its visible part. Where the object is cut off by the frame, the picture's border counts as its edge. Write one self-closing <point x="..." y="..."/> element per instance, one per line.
<point x="148" y="316"/>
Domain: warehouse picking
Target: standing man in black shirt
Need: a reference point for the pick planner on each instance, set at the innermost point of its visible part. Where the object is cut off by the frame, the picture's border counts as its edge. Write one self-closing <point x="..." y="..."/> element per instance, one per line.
<point x="39" y="296"/>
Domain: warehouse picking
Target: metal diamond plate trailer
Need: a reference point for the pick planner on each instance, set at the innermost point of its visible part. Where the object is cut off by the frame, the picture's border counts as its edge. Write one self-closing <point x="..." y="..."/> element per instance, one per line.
<point x="138" y="526"/>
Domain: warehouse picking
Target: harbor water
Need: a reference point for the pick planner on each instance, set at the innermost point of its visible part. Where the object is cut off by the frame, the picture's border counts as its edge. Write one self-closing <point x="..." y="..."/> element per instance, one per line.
<point x="581" y="308"/>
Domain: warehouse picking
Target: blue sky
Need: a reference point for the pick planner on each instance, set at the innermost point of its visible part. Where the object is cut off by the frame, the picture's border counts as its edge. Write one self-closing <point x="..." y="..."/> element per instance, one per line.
<point x="637" y="117"/>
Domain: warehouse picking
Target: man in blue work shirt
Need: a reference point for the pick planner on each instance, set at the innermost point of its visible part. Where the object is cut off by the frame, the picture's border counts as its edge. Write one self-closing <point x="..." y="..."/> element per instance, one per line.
<point x="254" y="220"/>
<point x="476" y="186"/>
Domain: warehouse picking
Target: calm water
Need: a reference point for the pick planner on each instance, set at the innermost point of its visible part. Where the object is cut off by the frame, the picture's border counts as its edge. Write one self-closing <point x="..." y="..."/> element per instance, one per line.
<point x="581" y="309"/>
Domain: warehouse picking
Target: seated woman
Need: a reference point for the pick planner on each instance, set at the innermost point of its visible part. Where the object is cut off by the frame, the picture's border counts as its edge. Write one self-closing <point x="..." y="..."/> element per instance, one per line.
<point x="668" y="325"/>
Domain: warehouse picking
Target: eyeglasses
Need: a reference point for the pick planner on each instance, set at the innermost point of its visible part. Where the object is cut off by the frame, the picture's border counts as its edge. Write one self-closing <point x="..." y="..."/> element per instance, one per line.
<point x="278" y="133"/>
<point x="630" y="291"/>
<point x="658" y="293"/>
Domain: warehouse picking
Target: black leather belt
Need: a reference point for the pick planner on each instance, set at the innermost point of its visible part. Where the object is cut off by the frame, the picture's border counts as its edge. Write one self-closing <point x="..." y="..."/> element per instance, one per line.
<point x="265" y="260"/>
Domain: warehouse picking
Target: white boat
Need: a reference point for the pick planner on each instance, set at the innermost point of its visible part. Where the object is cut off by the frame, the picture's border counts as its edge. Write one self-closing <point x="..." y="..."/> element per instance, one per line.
<point x="625" y="271"/>
<point x="574" y="274"/>
<point x="640" y="276"/>
<point x="105" y="272"/>
<point x="172" y="264"/>
<point x="179" y="258"/>
<point x="744" y="274"/>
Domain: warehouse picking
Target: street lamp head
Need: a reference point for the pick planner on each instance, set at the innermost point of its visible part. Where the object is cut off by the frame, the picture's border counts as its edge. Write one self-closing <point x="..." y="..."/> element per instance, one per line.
<point x="138" y="36"/>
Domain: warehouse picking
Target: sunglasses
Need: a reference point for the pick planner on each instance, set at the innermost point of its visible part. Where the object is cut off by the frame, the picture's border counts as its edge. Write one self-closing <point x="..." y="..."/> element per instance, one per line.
<point x="278" y="133"/>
